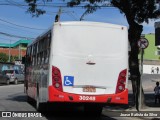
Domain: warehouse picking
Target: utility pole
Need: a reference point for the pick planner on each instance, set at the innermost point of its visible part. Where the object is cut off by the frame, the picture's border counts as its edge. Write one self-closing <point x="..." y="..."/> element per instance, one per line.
<point x="140" y="86"/>
<point x="142" y="44"/>
<point x="19" y="56"/>
<point x="57" y="17"/>
<point x="9" y="59"/>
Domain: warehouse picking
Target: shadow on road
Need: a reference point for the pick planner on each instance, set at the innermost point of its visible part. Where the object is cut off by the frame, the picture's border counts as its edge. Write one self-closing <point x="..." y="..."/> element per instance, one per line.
<point x="74" y="115"/>
<point x="149" y="100"/>
<point x="19" y="97"/>
<point x="71" y="112"/>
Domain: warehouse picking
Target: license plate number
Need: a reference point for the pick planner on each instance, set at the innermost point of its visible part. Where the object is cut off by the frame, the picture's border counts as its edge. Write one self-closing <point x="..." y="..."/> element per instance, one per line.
<point x="89" y="89"/>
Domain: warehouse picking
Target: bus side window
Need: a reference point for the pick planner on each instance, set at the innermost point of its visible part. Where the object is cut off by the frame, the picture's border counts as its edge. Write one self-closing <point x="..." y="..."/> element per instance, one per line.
<point x="45" y="56"/>
<point x="38" y="58"/>
<point x="30" y="56"/>
<point x="16" y="71"/>
<point x="41" y="58"/>
<point x="49" y="39"/>
<point x="48" y="52"/>
<point x="48" y="47"/>
<point x="37" y="53"/>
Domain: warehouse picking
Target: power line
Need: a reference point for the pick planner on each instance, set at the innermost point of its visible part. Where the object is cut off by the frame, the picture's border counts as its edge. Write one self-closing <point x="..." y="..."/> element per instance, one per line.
<point x="15" y="36"/>
<point x="71" y="15"/>
<point x="8" y="27"/>
<point x="19" y="5"/>
<point x="15" y="3"/>
<point x="51" y="5"/>
<point x="20" y="25"/>
<point x="7" y="39"/>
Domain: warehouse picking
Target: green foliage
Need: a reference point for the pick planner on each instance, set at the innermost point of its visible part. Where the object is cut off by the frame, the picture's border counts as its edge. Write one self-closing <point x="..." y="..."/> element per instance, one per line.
<point x="3" y="57"/>
<point x="135" y="10"/>
<point x="33" y="9"/>
<point x="13" y="58"/>
<point x="138" y="10"/>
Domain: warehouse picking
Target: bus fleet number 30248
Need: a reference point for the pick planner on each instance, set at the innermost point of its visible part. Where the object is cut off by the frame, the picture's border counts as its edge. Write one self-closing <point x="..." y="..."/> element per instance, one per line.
<point x="93" y="98"/>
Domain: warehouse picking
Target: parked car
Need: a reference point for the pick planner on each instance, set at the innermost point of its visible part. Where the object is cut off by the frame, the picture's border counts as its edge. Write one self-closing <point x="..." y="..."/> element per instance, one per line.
<point x="14" y="76"/>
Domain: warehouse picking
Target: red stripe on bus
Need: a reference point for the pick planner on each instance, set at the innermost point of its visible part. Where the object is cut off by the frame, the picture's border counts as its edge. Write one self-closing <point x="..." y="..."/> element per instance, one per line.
<point x="57" y="96"/>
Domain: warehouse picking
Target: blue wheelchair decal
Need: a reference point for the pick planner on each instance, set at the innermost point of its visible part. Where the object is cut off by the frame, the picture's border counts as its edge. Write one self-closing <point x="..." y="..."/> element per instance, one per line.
<point x="68" y="80"/>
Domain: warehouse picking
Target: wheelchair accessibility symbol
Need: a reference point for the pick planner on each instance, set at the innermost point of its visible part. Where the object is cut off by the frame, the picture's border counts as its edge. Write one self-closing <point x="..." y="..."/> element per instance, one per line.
<point x="68" y="80"/>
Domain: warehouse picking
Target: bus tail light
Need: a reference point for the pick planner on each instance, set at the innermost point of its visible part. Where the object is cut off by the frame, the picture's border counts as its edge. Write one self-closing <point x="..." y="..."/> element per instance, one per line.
<point x="121" y="81"/>
<point x="56" y="78"/>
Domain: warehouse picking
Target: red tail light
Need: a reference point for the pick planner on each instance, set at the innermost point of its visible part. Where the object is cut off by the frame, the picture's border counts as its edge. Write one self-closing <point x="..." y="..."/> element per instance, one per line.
<point x="56" y="78"/>
<point x="121" y="81"/>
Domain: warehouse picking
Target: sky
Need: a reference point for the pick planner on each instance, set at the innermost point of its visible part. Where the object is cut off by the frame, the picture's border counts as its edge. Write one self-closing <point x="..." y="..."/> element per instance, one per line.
<point x="14" y="20"/>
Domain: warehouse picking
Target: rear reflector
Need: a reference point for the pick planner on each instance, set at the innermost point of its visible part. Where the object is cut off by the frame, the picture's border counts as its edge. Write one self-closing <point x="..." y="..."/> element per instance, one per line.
<point x="121" y="83"/>
<point x="56" y="78"/>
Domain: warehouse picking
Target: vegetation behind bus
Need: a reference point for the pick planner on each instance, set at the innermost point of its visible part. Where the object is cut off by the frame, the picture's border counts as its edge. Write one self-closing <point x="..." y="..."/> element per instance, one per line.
<point x="4" y="58"/>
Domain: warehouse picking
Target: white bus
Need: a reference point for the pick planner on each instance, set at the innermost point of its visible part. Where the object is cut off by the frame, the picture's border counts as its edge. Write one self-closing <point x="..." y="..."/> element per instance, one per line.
<point x="79" y="62"/>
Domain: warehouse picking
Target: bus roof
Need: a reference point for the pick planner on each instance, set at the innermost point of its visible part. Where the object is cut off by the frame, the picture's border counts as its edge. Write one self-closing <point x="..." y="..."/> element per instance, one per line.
<point x="89" y="23"/>
<point x="81" y="23"/>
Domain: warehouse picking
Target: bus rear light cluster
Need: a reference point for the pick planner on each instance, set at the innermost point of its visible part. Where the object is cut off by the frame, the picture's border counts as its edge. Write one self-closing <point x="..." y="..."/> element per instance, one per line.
<point x="56" y="78"/>
<point x="121" y="81"/>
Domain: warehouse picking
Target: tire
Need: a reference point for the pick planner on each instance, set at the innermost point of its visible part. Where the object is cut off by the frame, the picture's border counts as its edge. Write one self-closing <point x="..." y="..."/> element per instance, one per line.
<point x="16" y="81"/>
<point x="93" y="110"/>
<point x="29" y="100"/>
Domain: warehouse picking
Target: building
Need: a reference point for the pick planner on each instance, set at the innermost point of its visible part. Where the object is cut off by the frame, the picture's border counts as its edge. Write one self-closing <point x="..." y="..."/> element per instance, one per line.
<point x="16" y="49"/>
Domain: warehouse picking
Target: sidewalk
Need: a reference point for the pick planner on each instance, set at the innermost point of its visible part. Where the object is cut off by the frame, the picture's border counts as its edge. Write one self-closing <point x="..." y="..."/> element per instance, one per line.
<point x="151" y="109"/>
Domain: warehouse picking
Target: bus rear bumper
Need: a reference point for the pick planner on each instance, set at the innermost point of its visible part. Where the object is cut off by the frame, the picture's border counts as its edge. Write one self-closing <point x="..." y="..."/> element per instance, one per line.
<point x="58" y="96"/>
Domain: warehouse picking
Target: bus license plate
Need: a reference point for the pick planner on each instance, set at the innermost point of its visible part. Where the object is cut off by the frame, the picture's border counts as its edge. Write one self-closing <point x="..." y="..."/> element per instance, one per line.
<point x="89" y="89"/>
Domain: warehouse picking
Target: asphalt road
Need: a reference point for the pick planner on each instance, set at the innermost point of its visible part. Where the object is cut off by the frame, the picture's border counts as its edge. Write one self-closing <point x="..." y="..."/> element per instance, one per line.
<point x="12" y="98"/>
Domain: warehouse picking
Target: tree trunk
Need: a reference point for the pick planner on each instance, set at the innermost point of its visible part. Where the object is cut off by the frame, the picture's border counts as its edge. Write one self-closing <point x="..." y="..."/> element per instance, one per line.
<point x="134" y="34"/>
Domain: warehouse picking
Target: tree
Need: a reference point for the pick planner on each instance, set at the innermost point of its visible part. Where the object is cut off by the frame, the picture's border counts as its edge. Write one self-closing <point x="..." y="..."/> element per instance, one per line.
<point x="3" y="57"/>
<point x="13" y="58"/>
<point x="136" y="12"/>
<point x="33" y="8"/>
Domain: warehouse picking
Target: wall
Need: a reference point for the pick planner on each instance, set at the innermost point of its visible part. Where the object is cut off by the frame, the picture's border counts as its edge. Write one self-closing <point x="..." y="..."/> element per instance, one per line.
<point x="14" y="52"/>
<point x="150" y="51"/>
